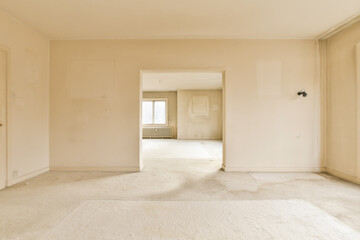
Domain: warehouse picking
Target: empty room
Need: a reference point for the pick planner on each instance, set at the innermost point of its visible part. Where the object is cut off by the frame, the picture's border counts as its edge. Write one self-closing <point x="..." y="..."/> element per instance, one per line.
<point x="206" y="120"/>
<point x="182" y="121"/>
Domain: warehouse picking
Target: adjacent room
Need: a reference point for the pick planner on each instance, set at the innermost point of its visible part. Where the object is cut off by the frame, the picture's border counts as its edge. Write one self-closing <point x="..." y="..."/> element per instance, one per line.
<point x="182" y="120"/>
<point x="206" y="120"/>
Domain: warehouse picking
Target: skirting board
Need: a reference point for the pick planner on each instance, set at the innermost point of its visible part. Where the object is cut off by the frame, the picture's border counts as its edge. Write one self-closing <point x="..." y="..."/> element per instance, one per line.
<point x="264" y="169"/>
<point x="96" y="169"/>
<point x="342" y="175"/>
<point x="26" y="176"/>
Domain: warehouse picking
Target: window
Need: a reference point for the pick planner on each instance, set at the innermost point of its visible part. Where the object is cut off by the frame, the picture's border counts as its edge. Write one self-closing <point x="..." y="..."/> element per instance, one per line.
<point x="154" y="112"/>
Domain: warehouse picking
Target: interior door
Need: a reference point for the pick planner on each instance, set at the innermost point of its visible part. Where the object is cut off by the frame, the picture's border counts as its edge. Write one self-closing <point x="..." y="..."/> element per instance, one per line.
<point x="3" y="141"/>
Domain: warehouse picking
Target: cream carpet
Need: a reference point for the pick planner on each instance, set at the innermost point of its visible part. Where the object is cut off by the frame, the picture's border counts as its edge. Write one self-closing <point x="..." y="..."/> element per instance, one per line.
<point x="207" y="220"/>
<point x="181" y="155"/>
<point x="183" y="149"/>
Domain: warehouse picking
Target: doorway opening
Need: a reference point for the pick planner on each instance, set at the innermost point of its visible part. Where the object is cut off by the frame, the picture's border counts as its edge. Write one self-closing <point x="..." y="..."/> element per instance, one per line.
<point x="3" y="117"/>
<point x="182" y="120"/>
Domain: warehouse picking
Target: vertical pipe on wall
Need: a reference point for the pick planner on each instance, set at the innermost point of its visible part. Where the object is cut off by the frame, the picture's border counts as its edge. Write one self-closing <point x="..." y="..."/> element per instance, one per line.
<point x="358" y="112"/>
<point x="320" y="86"/>
<point x="321" y="51"/>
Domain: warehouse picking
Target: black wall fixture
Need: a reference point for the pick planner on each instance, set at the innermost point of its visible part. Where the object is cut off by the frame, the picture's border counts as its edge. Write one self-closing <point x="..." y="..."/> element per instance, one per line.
<point x="303" y="93"/>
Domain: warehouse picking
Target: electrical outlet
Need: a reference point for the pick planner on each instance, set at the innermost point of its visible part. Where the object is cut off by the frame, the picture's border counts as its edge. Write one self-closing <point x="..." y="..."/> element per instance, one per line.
<point x="15" y="173"/>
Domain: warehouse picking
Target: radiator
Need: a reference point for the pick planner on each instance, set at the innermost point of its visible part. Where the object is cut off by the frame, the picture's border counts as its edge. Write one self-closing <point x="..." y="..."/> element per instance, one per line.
<point x="157" y="132"/>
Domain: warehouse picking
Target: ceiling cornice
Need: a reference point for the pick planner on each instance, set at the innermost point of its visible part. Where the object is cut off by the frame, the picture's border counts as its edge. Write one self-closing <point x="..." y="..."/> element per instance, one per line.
<point x="339" y="27"/>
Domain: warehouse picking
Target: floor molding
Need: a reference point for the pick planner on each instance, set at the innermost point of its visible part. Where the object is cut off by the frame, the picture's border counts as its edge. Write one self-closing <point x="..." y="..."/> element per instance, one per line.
<point x="96" y="169"/>
<point x="274" y="170"/>
<point x="26" y="176"/>
<point x="342" y="175"/>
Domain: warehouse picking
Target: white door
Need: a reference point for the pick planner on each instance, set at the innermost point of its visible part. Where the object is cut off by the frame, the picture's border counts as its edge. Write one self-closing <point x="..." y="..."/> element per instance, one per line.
<point x="3" y="142"/>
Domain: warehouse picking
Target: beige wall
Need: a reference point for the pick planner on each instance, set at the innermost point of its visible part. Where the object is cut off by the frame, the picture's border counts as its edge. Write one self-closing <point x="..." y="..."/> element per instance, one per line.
<point x="28" y="99"/>
<point x="172" y="107"/>
<point x="200" y="114"/>
<point x="95" y="100"/>
<point x="341" y="150"/>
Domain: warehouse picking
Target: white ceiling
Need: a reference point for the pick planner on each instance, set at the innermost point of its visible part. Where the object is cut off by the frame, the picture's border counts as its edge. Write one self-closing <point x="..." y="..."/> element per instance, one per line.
<point x="181" y="81"/>
<point x="106" y="19"/>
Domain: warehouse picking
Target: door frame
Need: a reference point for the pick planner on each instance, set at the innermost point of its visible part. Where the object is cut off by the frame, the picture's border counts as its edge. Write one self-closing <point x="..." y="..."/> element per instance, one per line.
<point x="7" y="76"/>
<point x="199" y="70"/>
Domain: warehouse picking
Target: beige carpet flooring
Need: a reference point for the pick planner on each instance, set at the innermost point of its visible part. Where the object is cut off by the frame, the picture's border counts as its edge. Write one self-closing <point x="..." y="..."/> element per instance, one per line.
<point x="181" y="155"/>
<point x="184" y="194"/>
<point x="215" y="220"/>
<point x="31" y="209"/>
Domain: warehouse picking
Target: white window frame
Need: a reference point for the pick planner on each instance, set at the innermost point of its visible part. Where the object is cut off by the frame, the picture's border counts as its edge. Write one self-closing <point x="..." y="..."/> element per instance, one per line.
<point x="166" y="111"/>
